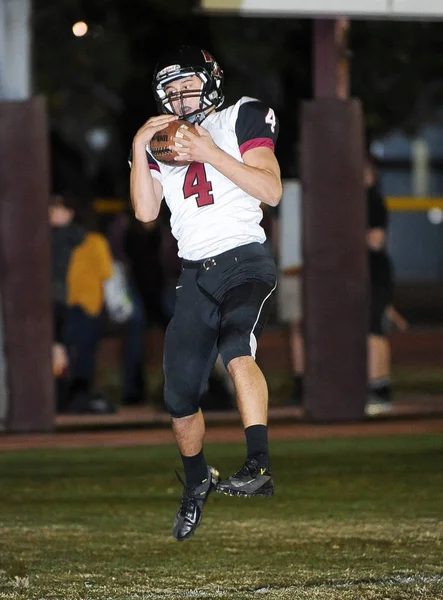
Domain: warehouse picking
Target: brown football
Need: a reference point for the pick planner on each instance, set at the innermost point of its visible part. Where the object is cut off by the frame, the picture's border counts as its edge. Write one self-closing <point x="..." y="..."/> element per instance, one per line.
<point x="163" y="139"/>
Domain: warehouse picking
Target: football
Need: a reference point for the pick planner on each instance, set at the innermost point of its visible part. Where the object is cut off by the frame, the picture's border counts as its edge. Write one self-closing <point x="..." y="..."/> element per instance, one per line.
<point x="163" y="139"/>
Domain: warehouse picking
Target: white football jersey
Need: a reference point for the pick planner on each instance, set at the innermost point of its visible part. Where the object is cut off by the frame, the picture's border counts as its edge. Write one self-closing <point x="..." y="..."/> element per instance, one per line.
<point x="209" y="213"/>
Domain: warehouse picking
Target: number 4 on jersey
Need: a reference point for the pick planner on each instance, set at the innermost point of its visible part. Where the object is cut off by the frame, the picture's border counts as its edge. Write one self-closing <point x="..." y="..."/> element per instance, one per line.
<point x="271" y="119"/>
<point x="196" y="184"/>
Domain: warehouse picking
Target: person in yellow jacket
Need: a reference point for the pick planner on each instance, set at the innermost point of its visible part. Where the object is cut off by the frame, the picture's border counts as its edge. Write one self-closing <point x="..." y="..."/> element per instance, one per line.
<point x="89" y="268"/>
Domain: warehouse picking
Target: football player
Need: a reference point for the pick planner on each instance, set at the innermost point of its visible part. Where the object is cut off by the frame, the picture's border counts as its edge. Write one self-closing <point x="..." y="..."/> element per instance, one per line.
<point x="228" y="275"/>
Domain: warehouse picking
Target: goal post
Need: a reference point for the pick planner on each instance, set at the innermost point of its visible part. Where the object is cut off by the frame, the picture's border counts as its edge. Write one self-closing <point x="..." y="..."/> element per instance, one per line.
<point x="379" y="9"/>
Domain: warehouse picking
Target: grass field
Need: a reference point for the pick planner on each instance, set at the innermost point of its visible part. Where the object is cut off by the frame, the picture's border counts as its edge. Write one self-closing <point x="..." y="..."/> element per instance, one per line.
<point x="356" y="519"/>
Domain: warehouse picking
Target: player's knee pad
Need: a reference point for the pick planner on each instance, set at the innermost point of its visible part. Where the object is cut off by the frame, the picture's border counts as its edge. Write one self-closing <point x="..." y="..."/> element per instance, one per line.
<point x="179" y="407"/>
<point x="180" y="396"/>
<point x="232" y="345"/>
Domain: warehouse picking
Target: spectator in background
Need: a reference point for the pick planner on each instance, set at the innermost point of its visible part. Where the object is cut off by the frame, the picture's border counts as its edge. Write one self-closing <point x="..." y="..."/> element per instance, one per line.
<point x="383" y="315"/>
<point x="60" y="365"/>
<point x="90" y="266"/>
<point x="286" y="242"/>
<point x="66" y="235"/>
<point x="143" y="250"/>
<point x="134" y="381"/>
<point x="395" y="321"/>
<point x="381" y="292"/>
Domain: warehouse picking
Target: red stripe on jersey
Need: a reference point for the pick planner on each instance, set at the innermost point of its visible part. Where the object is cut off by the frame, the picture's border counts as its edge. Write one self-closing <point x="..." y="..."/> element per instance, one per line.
<point x="154" y="167"/>
<point x="207" y="56"/>
<point x="257" y="143"/>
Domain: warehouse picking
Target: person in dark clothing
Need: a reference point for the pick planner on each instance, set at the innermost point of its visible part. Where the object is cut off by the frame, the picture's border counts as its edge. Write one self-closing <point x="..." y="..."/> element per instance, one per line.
<point x="90" y="267"/>
<point x="142" y="248"/>
<point x="380" y="270"/>
<point x="66" y="235"/>
<point x="381" y="293"/>
<point x="134" y="388"/>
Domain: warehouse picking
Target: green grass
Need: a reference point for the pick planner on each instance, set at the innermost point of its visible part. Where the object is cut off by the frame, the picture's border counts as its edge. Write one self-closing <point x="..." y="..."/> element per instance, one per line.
<point x="356" y="519"/>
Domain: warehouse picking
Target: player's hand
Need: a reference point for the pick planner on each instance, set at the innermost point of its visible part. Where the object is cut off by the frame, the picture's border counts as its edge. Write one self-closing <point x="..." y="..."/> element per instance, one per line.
<point x="60" y="361"/>
<point x="195" y="148"/>
<point x="147" y="131"/>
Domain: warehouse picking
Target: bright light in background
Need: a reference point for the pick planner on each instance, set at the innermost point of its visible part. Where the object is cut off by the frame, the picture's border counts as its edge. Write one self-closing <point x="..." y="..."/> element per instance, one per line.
<point x="80" y="29"/>
<point x="378" y="149"/>
<point x="98" y="138"/>
<point x="435" y="215"/>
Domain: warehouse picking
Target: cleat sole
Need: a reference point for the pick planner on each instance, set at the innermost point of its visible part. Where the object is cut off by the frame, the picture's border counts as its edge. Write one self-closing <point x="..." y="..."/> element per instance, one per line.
<point x="265" y="492"/>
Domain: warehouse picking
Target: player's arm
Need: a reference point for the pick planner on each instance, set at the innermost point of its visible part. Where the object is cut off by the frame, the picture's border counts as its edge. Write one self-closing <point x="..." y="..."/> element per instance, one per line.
<point x="256" y="129"/>
<point x="378" y="221"/>
<point x="258" y="175"/>
<point x="146" y="191"/>
<point x="375" y="238"/>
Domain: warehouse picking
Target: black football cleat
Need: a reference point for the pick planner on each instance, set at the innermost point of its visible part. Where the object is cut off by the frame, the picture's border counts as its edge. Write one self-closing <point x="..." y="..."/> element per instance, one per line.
<point x="251" y="480"/>
<point x="189" y="514"/>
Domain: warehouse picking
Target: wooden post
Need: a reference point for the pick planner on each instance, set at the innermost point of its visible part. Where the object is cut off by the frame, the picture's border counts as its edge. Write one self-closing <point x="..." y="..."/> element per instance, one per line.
<point x="26" y="386"/>
<point x="334" y="226"/>
<point x="25" y="288"/>
<point x="331" y="65"/>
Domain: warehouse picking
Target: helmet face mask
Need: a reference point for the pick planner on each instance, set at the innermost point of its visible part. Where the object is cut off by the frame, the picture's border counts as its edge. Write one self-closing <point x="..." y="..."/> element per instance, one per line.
<point x="188" y="61"/>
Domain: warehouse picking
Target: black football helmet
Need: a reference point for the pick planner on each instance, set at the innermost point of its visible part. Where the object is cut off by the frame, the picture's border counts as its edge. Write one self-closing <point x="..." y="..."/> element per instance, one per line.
<point x="183" y="62"/>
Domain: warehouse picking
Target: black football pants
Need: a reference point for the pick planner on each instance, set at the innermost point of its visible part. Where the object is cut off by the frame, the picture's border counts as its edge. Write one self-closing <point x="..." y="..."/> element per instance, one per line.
<point x="222" y="304"/>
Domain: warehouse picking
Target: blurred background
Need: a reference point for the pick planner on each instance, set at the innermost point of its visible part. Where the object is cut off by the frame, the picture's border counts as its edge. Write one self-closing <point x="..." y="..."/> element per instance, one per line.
<point x="97" y="81"/>
<point x="93" y="61"/>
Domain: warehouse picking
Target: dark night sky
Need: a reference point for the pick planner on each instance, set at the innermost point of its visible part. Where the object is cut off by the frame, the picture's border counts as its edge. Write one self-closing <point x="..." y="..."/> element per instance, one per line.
<point x="104" y="79"/>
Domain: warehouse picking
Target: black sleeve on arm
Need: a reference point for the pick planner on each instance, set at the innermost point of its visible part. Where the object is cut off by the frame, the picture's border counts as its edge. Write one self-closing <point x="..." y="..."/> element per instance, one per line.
<point x="256" y="126"/>
<point x="377" y="212"/>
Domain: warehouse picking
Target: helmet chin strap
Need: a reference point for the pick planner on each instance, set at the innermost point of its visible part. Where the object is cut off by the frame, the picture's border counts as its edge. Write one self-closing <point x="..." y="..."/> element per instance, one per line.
<point x="196" y="117"/>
